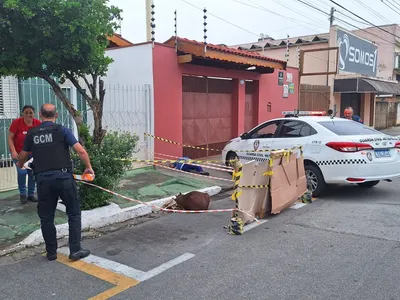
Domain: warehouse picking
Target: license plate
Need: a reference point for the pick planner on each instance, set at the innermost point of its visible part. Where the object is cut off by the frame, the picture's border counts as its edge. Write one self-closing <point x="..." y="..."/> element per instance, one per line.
<point x="382" y="153"/>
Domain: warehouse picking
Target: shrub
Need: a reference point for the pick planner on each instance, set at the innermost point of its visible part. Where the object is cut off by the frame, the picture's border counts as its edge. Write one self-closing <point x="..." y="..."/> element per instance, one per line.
<point x="108" y="164"/>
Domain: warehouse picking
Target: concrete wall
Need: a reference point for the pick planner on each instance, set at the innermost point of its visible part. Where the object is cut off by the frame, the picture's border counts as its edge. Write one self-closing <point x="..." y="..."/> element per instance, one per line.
<point x="129" y="98"/>
<point x="132" y="65"/>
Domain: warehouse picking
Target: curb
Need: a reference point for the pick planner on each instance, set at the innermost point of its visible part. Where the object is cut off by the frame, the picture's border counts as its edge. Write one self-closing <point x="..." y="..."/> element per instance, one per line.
<point x="227" y="189"/>
<point x="100" y="217"/>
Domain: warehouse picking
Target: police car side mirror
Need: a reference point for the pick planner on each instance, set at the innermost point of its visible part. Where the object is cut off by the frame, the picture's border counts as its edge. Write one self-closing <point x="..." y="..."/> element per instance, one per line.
<point x="243" y="135"/>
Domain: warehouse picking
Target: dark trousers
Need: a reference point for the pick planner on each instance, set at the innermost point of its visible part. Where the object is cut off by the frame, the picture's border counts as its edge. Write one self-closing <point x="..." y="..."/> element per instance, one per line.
<point x="50" y="188"/>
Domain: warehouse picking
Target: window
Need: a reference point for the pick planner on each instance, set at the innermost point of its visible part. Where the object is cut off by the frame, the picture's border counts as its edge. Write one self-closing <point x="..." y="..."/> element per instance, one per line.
<point x="9" y="97"/>
<point x="294" y="128"/>
<point x="266" y="131"/>
<point x="348" y="128"/>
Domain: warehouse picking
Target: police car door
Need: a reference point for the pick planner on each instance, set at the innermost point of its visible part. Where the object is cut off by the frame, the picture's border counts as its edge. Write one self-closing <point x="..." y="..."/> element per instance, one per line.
<point x="293" y="133"/>
<point x="260" y="138"/>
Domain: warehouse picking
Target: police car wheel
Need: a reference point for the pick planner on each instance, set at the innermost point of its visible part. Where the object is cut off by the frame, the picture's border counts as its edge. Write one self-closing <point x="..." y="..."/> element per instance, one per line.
<point x="315" y="180"/>
<point x="231" y="156"/>
<point x="368" y="184"/>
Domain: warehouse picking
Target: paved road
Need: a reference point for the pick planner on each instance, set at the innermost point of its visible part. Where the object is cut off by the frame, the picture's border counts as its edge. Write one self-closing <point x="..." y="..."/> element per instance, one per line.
<point x="342" y="246"/>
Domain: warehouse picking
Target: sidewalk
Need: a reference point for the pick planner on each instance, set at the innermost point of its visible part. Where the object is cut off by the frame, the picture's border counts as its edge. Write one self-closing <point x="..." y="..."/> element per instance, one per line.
<point x="394" y="131"/>
<point x="17" y="221"/>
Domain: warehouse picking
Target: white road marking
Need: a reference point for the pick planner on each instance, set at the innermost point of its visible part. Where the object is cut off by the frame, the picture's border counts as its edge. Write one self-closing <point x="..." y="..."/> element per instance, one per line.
<point x="129" y="271"/>
<point x="253" y="225"/>
<point x="166" y="266"/>
<point x="297" y="205"/>
<point x="109" y="265"/>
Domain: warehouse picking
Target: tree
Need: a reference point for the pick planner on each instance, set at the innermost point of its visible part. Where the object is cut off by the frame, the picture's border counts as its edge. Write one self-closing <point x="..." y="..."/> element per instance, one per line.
<point x="60" y="39"/>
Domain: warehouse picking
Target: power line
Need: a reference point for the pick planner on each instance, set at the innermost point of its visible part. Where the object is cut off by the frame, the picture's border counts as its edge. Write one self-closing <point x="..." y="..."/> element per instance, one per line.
<point x="391" y="6"/>
<point x="343" y="21"/>
<point x="295" y="11"/>
<point x="395" y="4"/>
<point x="272" y="12"/>
<point x="362" y="18"/>
<point x="310" y="5"/>
<point x="351" y="18"/>
<point x="375" y="13"/>
<point x="237" y="26"/>
<point x="328" y="5"/>
<point x="264" y="9"/>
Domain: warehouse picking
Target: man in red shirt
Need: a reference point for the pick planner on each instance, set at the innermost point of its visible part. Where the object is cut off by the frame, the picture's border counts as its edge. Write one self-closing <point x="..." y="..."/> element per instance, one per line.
<point x="18" y="130"/>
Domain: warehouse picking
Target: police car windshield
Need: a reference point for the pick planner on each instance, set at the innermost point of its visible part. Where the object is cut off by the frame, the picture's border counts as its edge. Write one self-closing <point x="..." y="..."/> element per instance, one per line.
<point x="348" y="128"/>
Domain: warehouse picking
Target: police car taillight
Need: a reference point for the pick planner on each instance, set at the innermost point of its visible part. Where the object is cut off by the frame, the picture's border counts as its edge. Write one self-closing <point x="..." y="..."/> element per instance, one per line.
<point x="397" y="145"/>
<point x="348" y="146"/>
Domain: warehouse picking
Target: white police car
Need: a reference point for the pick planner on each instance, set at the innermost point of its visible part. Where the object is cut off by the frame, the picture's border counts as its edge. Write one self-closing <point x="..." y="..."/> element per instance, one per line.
<point x="335" y="150"/>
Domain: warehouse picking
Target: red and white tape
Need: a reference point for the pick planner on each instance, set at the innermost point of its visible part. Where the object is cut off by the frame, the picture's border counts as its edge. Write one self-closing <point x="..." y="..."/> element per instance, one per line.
<point x="168" y="209"/>
<point x="205" y="161"/>
<point x="194" y="174"/>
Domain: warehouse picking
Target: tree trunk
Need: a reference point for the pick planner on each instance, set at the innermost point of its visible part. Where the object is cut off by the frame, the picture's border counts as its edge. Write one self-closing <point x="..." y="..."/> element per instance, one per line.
<point x="61" y="96"/>
<point x="98" y="131"/>
<point x="78" y="119"/>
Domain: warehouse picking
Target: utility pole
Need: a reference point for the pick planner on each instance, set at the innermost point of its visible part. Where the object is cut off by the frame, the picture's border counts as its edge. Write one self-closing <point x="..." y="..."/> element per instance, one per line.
<point x="148" y="19"/>
<point x="331" y="19"/>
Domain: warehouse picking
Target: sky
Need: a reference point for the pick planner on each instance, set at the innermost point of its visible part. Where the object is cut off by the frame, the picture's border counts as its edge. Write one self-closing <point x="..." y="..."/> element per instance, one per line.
<point x="234" y="22"/>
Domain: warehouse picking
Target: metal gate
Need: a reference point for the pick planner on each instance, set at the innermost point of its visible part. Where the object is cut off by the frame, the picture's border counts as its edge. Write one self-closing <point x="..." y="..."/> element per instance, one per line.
<point x="381" y="115"/>
<point x="398" y="114"/>
<point x="392" y="114"/>
<point x="207" y="114"/>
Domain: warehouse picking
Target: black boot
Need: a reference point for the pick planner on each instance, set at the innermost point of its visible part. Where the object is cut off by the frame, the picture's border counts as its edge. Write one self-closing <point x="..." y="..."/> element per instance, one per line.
<point x="23" y="199"/>
<point x="51" y="257"/>
<point x="81" y="253"/>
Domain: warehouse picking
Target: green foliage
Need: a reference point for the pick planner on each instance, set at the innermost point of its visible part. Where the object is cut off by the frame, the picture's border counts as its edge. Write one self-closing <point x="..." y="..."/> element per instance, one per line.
<point x="108" y="164"/>
<point x="56" y="37"/>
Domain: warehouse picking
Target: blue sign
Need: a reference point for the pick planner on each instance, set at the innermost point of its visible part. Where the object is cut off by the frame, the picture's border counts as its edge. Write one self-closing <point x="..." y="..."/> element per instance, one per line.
<point x="356" y="55"/>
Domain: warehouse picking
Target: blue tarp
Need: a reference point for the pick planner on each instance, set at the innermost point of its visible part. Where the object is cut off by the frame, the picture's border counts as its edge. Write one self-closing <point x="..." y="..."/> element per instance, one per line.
<point x="186" y="167"/>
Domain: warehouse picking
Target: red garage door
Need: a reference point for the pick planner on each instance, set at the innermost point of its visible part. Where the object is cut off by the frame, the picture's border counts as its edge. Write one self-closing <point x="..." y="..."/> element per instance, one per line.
<point x="207" y="114"/>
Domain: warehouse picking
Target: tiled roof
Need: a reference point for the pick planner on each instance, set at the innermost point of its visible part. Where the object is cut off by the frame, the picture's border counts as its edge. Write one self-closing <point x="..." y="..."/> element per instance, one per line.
<point x="232" y="50"/>
<point x="268" y="42"/>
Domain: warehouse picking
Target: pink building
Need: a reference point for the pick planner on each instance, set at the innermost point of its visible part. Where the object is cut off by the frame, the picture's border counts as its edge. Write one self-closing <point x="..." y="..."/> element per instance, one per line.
<point x="368" y="70"/>
<point x="203" y="95"/>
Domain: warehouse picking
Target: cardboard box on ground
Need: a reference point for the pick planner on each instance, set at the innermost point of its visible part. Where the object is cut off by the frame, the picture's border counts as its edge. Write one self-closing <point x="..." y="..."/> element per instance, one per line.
<point x="286" y="185"/>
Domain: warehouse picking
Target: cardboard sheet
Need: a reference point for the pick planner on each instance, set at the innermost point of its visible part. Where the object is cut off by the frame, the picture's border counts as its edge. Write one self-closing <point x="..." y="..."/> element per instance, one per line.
<point x="284" y="184"/>
<point x="251" y="200"/>
<point x="287" y="184"/>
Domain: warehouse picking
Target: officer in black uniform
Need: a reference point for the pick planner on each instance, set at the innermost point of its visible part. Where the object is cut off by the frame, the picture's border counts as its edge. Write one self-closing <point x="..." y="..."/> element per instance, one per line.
<point x="52" y="165"/>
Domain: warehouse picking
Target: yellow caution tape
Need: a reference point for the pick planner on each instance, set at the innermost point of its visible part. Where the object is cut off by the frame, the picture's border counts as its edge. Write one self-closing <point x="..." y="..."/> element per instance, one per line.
<point x="211" y="149"/>
<point x="287" y="154"/>
<point x="236" y="227"/>
<point x="268" y="173"/>
<point x="254" y="186"/>
<point x="236" y="177"/>
<point x="236" y="194"/>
